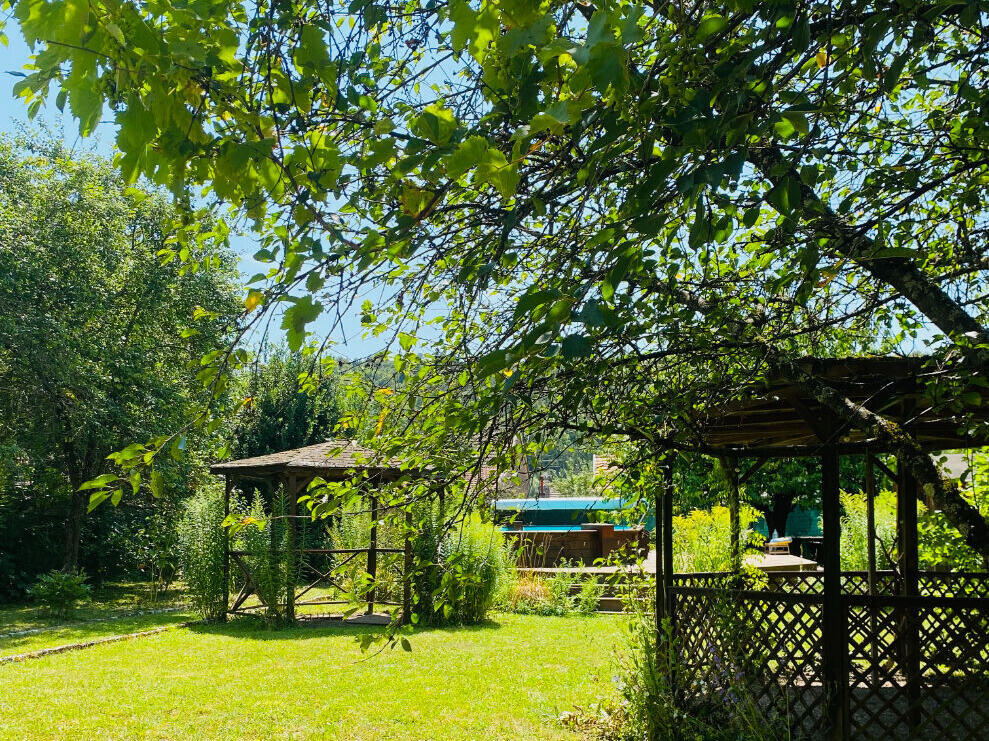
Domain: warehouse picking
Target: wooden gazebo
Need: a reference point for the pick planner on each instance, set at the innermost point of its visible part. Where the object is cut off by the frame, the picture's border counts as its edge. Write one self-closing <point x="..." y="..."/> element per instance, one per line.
<point x="293" y="471"/>
<point x="866" y="655"/>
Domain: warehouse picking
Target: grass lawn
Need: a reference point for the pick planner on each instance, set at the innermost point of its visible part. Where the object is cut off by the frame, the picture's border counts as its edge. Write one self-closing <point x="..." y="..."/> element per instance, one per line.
<point x="25" y="627"/>
<point x="509" y="679"/>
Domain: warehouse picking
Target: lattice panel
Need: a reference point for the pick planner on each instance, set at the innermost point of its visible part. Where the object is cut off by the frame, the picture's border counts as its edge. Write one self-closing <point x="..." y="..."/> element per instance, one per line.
<point x="954" y="584"/>
<point x="954" y="664"/>
<point x="770" y="646"/>
<point x="918" y="667"/>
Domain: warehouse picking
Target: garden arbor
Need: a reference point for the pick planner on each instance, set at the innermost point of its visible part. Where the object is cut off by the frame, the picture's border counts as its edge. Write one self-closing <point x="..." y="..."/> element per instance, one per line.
<point x="292" y="471"/>
<point x="877" y="654"/>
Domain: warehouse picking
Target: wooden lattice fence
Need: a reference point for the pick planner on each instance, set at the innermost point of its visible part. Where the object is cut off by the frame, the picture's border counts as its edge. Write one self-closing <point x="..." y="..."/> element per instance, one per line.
<point x="917" y="665"/>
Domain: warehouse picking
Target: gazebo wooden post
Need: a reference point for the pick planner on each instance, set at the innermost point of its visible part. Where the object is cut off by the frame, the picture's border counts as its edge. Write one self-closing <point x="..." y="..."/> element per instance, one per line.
<point x="730" y="465"/>
<point x="228" y="486"/>
<point x="292" y="495"/>
<point x="372" y="554"/>
<point x="870" y="520"/>
<point x="664" y="575"/>
<point x="407" y="573"/>
<point x="660" y="556"/>
<point x="668" y="540"/>
<point x="908" y="565"/>
<point x="835" y="643"/>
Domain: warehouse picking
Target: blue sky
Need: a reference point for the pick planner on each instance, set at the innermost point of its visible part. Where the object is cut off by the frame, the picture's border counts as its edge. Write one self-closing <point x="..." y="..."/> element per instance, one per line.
<point x="13" y="114"/>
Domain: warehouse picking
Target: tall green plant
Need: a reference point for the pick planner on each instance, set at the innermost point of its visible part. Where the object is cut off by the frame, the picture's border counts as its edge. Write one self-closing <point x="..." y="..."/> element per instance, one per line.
<point x="702" y="539"/>
<point x="854" y="531"/>
<point x="265" y="541"/>
<point x="201" y="545"/>
<point x="475" y="568"/>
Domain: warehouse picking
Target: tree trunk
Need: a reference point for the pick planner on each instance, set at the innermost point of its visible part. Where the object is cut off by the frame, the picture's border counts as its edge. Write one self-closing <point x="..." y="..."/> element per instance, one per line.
<point x="945" y="493"/>
<point x="900" y="273"/>
<point x="777" y="514"/>
<point x="73" y="529"/>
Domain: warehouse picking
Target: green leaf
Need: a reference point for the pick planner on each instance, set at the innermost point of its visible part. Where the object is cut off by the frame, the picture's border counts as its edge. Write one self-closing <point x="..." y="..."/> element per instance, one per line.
<point x="157" y="484"/>
<point x="406" y="646"/>
<point x="303" y="311"/>
<point x="495" y="170"/>
<point x="575" y="346"/>
<point x="436" y="124"/>
<point x="710" y="25"/>
<point x="114" y="30"/>
<point x="99" y="482"/>
<point x="467" y="156"/>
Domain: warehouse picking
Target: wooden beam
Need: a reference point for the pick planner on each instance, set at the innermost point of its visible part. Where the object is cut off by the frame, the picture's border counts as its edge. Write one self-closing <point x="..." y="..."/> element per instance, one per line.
<point x="407" y="572"/>
<point x="870" y="526"/>
<point x="292" y="495"/>
<point x="884" y="468"/>
<point x="228" y="486"/>
<point x="668" y="538"/>
<point x="753" y="470"/>
<point x="372" y="554"/>
<point x="667" y="555"/>
<point x="834" y="649"/>
<point x="907" y="566"/>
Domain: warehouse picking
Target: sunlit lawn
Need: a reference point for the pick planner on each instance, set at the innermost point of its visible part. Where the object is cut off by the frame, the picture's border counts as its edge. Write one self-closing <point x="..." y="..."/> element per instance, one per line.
<point x="509" y="679"/>
<point x="113" y="610"/>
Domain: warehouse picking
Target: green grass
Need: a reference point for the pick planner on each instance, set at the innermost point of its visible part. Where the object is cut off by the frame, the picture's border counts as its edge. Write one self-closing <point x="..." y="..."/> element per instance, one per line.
<point x="26" y="627"/>
<point x="509" y="679"/>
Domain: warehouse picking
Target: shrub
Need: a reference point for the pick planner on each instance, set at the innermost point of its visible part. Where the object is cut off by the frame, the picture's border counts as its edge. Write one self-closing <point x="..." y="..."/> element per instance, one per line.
<point x="264" y="539"/>
<point x="562" y="593"/>
<point x="427" y="571"/>
<point x="59" y="591"/>
<point x="702" y="539"/>
<point x="475" y="568"/>
<point x="201" y="544"/>
<point x="854" y="531"/>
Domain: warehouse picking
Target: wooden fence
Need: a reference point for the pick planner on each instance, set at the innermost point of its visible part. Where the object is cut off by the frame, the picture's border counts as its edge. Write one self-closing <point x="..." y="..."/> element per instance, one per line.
<point x="916" y="655"/>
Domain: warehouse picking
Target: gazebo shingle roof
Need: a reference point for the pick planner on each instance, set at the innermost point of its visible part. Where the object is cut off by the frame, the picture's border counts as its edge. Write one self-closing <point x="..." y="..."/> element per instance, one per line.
<point x="334" y="458"/>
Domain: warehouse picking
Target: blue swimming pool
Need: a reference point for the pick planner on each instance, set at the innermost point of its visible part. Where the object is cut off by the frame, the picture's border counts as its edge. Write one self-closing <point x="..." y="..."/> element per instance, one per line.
<point x="563" y="513"/>
<point x="554" y="528"/>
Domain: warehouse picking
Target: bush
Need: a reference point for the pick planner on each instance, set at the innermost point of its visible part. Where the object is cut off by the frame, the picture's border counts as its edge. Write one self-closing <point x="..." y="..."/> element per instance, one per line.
<point x="702" y="539"/>
<point x="854" y="531"/>
<point x="201" y="544"/>
<point x="264" y="540"/>
<point x="562" y="593"/>
<point x="427" y="571"/>
<point x="475" y="568"/>
<point x="59" y="591"/>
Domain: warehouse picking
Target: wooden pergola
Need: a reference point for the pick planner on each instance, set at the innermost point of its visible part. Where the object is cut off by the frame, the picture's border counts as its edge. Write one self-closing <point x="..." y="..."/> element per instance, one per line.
<point x="879" y="654"/>
<point x="294" y="470"/>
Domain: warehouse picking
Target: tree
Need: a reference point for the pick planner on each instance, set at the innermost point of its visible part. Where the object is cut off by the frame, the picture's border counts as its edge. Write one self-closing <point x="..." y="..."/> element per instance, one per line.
<point x="627" y="211"/>
<point x="99" y="339"/>
<point x="293" y="403"/>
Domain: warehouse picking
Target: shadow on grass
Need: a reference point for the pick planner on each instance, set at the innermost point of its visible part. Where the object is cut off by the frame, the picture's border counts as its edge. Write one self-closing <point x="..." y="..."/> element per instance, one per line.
<point x="79" y="632"/>
<point x="256" y="629"/>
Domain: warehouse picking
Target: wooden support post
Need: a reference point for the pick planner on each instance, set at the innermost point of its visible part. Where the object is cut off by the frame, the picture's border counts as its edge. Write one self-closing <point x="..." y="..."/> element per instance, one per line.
<point x="870" y="525"/>
<point x="228" y="486"/>
<point x="668" y="540"/>
<point x="835" y="644"/>
<point x="291" y="558"/>
<point x="660" y="555"/>
<point x="407" y="574"/>
<point x="907" y="566"/>
<point x="666" y="556"/>
<point x="372" y="554"/>
<point x="730" y="466"/>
